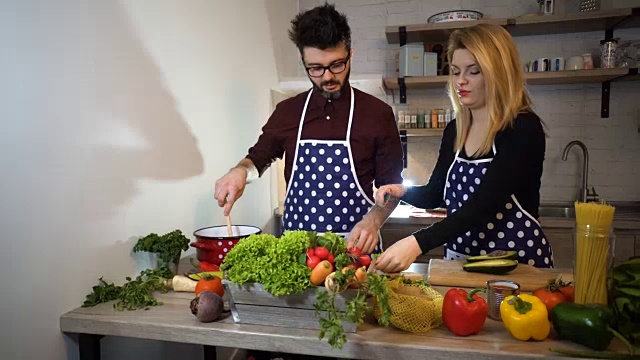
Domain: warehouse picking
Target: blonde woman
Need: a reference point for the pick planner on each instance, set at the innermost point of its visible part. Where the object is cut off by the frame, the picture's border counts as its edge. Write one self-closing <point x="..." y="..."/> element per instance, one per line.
<point x="489" y="165"/>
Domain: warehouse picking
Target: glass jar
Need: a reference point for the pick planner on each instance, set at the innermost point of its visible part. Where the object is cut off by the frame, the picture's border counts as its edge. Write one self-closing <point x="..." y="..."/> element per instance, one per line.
<point x="594" y="249"/>
<point x="608" y="53"/>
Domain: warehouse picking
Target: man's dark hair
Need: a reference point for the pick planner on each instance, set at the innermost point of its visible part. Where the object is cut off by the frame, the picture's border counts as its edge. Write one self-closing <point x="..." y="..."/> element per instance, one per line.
<point x="321" y="27"/>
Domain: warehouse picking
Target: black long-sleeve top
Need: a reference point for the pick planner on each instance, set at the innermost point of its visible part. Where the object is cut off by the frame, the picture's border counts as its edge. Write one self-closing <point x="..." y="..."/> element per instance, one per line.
<point x="516" y="169"/>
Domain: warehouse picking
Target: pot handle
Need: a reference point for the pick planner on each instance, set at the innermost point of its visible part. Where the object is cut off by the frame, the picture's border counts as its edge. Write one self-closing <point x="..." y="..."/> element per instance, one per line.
<point x="204" y="246"/>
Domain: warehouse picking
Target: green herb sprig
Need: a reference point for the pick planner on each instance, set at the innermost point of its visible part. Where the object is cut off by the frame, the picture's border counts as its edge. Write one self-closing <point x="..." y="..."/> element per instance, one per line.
<point x="134" y="294"/>
<point x="331" y="317"/>
<point x="168" y="246"/>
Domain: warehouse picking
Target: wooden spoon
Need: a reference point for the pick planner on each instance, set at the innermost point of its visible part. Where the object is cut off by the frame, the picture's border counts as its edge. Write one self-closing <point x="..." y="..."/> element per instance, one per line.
<point x="229" y="231"/>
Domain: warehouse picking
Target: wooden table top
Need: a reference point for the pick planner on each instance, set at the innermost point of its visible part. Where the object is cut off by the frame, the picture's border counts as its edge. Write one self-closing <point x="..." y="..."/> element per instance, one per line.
<point x="173" y="321"/>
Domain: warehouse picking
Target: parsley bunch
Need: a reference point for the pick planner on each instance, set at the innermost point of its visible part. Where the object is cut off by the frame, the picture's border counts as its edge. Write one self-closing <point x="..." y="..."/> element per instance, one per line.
<point x="331" y="317"/>
<point x="134" y="294"/>
<point x="168" y="246"/>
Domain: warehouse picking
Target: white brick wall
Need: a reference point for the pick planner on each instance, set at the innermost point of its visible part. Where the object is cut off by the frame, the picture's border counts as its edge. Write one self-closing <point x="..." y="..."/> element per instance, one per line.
<point x="571" y="112"/>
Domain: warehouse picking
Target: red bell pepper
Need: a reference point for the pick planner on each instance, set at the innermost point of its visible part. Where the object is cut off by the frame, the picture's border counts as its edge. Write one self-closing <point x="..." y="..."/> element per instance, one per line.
<point x="205" y="266"/>
<point x="464" y="313"/>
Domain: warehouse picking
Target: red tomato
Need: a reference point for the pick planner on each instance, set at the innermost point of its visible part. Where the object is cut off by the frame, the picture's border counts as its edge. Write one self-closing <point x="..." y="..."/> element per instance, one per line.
<point x="549" y="298"/>
<point x="568" y="292"/>
<point x="210" y="283"/>
<point x="566" y="288"/>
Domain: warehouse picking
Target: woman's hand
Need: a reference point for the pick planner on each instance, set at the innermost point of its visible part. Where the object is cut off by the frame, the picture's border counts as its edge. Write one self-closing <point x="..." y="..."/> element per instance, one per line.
<point x="393" y="190"/>
<point x="399" y="256"/>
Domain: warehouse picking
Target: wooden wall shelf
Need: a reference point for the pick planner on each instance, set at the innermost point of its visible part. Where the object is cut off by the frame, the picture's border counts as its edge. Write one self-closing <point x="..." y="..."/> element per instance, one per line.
<point x="525" y="25"/>
<point x="434" y="32"/>
<point x="423" y="132"/>
<point x="535" y="78"/>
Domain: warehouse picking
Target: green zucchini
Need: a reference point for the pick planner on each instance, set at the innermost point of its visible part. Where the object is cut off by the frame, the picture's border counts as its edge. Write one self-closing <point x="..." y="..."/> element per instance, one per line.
<point x="495" y="255"/>
<point x="497" y="267"/>
<point x="200" y="275"/>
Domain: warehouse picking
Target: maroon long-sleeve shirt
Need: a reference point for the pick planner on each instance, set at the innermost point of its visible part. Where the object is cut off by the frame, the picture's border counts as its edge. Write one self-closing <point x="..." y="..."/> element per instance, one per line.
<point x="375" y="140"/>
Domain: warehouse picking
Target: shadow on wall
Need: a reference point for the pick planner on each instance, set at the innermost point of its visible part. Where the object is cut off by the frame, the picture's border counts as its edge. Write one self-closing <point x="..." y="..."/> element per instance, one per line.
<point x="134" y="129"/>
<point x="110" y="121"/>
<point x="245" y="133"/>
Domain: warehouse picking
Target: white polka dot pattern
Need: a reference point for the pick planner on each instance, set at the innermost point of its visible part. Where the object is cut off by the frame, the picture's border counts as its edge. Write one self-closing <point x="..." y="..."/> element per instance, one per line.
<point x="326" y="182"/>
<point x="507" y="229"/>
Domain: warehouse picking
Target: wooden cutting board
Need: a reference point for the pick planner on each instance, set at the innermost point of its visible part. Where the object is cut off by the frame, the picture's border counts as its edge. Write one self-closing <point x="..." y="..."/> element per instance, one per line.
<point x="450" y="273"/>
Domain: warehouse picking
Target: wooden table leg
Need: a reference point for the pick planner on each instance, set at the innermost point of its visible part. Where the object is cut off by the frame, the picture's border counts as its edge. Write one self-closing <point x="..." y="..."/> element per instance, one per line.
<point x="210" y="352"/>
<point x="89" y="346"/>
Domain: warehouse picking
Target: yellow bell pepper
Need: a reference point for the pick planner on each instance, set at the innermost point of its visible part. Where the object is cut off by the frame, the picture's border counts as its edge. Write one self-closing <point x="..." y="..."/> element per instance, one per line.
<point x="525" y="316"/>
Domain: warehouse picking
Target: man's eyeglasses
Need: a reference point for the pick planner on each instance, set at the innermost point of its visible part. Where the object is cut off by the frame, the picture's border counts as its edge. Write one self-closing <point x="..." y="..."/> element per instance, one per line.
<point x="335" y="68"/>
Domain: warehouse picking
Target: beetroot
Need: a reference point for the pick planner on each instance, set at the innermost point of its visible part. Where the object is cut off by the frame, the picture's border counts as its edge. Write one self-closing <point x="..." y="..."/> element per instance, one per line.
<point x="207" y="306"/>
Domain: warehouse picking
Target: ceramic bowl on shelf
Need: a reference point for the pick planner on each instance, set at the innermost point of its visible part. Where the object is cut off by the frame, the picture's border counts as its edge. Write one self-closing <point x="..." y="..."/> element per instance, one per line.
<point x="455" y="15"/>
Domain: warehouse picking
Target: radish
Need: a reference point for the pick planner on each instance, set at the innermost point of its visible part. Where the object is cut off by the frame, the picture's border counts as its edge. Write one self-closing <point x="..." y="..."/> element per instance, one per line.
<point x="321" y="252"/>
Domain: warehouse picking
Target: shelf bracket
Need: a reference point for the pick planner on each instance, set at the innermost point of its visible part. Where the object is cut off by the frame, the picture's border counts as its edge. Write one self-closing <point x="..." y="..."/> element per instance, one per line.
<point x="606" y="93"/>
<point x="604" y="102"/>
<point x="403" y="90"/>
<point x="402" y="34"/>
<point x="608" y="33"/>
<point x="403" y="141"/>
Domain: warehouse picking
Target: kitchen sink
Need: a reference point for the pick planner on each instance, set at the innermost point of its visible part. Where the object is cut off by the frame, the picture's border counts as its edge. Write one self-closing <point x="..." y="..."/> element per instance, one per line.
<point x="557" y="212"/>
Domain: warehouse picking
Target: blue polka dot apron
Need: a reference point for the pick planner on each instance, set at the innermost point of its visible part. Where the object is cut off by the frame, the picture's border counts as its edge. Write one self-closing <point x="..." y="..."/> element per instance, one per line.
<point x="511" y="227"/>
<point x="323" y="193"/>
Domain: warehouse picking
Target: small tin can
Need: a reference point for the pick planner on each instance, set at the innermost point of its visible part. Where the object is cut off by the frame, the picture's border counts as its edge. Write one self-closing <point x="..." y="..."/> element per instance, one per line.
<point x="496" y="291"/>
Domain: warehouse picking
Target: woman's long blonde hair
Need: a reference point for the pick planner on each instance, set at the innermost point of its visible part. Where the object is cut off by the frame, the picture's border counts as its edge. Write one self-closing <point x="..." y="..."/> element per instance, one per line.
<point x="497" y="57"/>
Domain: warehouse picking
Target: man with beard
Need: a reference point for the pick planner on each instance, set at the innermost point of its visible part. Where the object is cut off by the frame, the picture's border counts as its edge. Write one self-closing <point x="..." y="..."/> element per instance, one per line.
<point x="339" y="142"/>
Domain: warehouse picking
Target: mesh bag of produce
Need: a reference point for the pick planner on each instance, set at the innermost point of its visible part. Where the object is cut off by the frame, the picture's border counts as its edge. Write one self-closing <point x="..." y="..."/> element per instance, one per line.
<point x="415" y="308"/>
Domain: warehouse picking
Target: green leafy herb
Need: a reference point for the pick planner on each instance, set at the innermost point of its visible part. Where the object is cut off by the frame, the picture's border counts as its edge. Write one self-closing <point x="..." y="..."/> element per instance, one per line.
<point x="335" y="243"/>
<point x="168" y="246"/>
<point x="624" y="298"/>
<point x="417" y="282"/>
<point x="331" y="317"/>
<point x="342" y="260"/>
<point x="134" y="294"/>
<point x="379" y="289"/>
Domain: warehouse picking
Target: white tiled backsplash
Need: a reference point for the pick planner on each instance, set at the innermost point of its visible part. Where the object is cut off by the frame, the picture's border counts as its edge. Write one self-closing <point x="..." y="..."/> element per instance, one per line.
<point x="570" y="112"/>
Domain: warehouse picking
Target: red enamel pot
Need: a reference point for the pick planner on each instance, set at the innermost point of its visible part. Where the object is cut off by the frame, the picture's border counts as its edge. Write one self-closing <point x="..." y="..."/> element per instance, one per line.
<point x="213" y="243"/>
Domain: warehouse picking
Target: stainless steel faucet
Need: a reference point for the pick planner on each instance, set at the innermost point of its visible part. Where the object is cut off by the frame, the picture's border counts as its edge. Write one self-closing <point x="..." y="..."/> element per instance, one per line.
<point x="584" y="191"/>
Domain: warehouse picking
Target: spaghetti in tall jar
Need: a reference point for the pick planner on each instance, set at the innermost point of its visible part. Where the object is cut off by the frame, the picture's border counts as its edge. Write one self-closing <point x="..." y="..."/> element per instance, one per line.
<point x="594" y="242"/>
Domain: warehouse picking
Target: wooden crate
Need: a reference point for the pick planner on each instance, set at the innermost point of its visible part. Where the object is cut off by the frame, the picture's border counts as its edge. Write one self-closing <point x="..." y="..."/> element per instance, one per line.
<point x="252" y="304"/>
